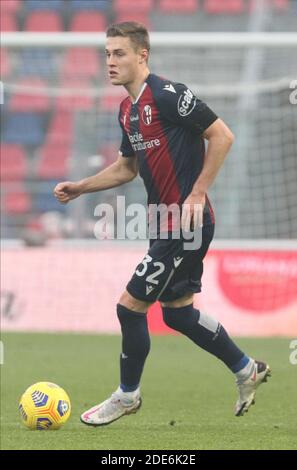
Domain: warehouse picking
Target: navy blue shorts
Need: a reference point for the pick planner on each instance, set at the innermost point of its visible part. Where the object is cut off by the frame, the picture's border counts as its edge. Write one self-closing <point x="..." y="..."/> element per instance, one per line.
<point x="168" y="272"/>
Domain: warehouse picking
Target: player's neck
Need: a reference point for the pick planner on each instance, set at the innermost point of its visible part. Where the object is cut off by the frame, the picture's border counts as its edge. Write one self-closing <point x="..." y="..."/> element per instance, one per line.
<point x="135" y="87"/>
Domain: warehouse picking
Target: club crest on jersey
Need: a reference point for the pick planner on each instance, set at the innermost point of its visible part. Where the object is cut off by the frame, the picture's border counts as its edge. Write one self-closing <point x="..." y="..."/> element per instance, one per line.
<point x="147" y="115"/>
<point x="186" y="103"/>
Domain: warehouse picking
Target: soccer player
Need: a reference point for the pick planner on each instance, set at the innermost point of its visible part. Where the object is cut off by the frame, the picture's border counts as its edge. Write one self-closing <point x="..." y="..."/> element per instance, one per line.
<point x="164" y="126"/>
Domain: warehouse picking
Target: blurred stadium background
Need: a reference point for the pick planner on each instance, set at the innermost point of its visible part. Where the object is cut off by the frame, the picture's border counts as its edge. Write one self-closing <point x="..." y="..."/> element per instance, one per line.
<point x="59" y="122"/>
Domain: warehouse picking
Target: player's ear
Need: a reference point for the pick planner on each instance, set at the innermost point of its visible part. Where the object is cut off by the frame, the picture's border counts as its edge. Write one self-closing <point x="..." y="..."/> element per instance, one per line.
<point x="143" y="56"/>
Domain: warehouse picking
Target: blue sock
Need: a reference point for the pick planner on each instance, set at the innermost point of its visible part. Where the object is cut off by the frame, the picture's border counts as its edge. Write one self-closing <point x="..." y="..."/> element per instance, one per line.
<point x="135" y="347"/>
<point x="207" y="333"/>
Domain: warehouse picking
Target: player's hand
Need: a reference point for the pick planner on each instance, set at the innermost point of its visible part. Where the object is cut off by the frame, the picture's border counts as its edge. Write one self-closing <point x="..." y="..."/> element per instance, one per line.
<point x="192" y="212"/>
<point x="67" y="191"/>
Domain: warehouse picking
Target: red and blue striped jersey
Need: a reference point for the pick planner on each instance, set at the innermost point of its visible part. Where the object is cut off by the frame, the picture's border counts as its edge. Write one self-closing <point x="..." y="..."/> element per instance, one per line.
<point x="164" y="128"/>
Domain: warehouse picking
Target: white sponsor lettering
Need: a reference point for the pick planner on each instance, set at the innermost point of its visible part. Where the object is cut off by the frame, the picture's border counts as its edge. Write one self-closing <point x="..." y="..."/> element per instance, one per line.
<point x="186" y="103"/>
<point x="138" y="143"/>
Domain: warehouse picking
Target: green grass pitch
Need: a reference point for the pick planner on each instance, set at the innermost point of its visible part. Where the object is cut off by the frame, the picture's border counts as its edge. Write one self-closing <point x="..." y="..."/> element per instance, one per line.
<point x="188" y="395"/>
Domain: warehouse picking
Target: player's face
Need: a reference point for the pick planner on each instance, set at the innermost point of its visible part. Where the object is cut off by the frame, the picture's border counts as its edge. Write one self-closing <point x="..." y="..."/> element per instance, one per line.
<point x="123" y="61"/>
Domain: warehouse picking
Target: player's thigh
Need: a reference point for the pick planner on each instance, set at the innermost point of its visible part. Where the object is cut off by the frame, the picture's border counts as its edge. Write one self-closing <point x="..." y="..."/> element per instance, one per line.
<point x="186" y="280"/>
<point x="156" y="269"/>
<point x="130" y="302"/>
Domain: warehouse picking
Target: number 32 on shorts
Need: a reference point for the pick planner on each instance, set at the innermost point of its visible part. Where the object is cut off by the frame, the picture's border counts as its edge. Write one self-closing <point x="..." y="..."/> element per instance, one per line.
<point x="152" y="277"/>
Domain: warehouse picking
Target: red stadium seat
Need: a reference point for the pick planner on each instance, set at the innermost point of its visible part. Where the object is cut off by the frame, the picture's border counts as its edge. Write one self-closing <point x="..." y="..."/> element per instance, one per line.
<point x="140" y="5"/>
<point x="77" y="96"/>
<point x="224" y="6"/>
<point x="112" y="98"/>
<point x="137" y="16"/>
<point x="54" y="160"/>
<point x="109" y="152"/>
<point x="9" y="6"/>
<point x="17" y="201"/>
<point x="44" y="21"/>
<point x="88" y="22"/>
<point x="61" y="128"/>
<point x="13" y="162"/>
<point x="35" y="99"/>
<point x="81" y="62"/>
<point x="281" y="4"/>
<point x="178" y="6"/>
<point x="8" y="23"/>
<point x="4" y="63"/>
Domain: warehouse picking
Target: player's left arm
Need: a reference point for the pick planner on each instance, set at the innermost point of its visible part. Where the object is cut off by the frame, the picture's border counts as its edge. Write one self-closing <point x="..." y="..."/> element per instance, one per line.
<point x="220" y="139"/>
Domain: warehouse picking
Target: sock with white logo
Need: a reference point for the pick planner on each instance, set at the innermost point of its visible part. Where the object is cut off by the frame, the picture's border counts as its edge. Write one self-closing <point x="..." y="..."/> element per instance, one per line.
<point x="135" y="347"/>
<point x="206" y="332"/>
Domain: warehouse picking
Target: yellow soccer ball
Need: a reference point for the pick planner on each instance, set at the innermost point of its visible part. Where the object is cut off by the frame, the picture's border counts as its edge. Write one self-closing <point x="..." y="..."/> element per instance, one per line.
<point x="44" y="406"/>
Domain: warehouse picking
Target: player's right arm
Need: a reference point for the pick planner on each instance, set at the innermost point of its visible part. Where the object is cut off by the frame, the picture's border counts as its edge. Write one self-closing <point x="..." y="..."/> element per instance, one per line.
<point x="123" y="170"/>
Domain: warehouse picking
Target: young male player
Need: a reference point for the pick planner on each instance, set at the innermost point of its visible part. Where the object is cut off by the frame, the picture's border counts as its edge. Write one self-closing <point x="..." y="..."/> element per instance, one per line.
<point x="164" y="126"/>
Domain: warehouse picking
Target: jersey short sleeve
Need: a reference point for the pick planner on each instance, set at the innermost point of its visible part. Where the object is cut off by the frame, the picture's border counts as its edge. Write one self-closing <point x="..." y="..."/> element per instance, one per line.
<point x="179" y="105"/>
<point x="125" y="147"/>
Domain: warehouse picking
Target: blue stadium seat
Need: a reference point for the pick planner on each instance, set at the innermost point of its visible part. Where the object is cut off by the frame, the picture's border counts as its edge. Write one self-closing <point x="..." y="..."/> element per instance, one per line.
<point x="45" y="201"/>
<point x="78" y="5"/>
<point x="34" y="5"/>
<point x="37" y="62"/>
<point x="24" y="128"/>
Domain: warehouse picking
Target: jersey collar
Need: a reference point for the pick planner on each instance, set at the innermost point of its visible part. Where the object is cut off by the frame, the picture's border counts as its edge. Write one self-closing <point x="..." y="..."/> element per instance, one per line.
<point x="140" y="93"/>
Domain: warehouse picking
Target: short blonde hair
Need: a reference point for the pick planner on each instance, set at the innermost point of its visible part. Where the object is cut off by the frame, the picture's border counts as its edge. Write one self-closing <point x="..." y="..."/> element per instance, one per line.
<point x="137" y="33"/>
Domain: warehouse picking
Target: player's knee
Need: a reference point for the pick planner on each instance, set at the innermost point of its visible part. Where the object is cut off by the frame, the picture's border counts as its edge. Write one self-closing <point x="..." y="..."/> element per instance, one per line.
<point x="187" y="299"/>
<point x="168" y="319"/>
<point x="178" y="319"/>
<point x="128" y="301"/>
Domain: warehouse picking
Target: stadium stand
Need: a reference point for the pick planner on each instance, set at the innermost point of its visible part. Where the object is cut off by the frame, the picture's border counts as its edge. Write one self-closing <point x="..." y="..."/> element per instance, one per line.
<point x="8" y="22"/>
<point x="18" y="201"/>
<point x="86" y="21"/>
<point x="78" y="96"/>
<point x="47" y="22"/>
<point x="41" y="5"/>
<point x="144" y="6"/>
<point x="34" y="96"/>
<point x="37" y="62"/>
<point x="78" y="5"/>
<point x="5" y="67"/>
<point x="13" y="162"/>
<point x="138" y="16"/>
<point x="10" y="6"/>
<point x="81" y="63"/>
<point x="176" y="6"/>
<point x="24" y="129"/>
<point x="60" y="129"/>
<point x="224" y="6"/>
<point x="53" y="161"/>
<point x="43" y="129"/>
